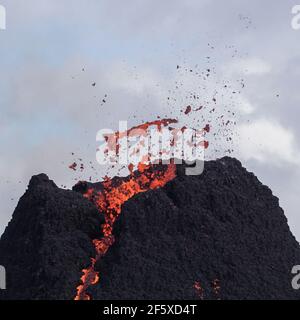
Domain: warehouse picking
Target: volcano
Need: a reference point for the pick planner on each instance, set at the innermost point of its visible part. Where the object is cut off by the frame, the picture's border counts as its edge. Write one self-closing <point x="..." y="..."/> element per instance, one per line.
<point x="157" y="234"/>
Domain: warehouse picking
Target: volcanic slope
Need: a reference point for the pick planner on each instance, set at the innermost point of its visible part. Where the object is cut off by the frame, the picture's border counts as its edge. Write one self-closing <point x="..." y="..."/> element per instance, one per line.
<point x="219" y="235"/>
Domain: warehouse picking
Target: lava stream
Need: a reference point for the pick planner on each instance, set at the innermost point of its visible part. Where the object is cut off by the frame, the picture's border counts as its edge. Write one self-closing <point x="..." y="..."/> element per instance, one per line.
<point x="109" y="202"/>
<point x="116" y="192"/>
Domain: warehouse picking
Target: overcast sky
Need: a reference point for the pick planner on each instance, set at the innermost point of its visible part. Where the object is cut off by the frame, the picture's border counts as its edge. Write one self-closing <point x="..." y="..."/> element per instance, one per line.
<point x="54" y="50"/>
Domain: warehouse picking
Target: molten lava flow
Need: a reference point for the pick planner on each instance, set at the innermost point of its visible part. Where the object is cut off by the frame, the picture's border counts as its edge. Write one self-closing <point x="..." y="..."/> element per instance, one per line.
<point x="116" y="192"/>
<point x="110" y="201"/>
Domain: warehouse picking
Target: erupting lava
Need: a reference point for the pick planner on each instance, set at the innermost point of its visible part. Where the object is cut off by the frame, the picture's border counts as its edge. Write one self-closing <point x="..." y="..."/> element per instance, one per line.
<point x="116" y="192"/>
<point x="109" y="202"/>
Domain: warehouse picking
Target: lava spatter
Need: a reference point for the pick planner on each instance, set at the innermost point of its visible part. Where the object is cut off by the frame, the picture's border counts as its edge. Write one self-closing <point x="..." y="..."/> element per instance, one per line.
<point x="199" y="290"/>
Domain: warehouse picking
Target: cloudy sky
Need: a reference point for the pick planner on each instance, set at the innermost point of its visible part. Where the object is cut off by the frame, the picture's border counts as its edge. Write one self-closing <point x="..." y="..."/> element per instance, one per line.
<point x="54" y="50"/>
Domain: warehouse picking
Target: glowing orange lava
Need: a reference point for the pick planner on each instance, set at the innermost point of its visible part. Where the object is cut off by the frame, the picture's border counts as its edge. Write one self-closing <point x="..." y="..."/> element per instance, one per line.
<point x="116" y="192"/>
<point x="110" y="201"/>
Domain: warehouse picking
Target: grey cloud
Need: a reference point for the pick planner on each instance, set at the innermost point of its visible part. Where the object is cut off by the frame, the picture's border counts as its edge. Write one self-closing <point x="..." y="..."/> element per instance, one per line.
<point x="48" y="42"/>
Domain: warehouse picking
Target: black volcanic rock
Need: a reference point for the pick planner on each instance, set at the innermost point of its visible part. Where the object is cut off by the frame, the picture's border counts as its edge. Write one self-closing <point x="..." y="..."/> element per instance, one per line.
<point x="222" y="229"/>
<point x="48" y="242"/>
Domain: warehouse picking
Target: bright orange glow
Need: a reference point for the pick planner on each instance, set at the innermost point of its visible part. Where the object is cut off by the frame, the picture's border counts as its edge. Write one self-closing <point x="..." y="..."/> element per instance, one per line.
<point x="115" y="193"/>
<point x="110" y="201"/>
